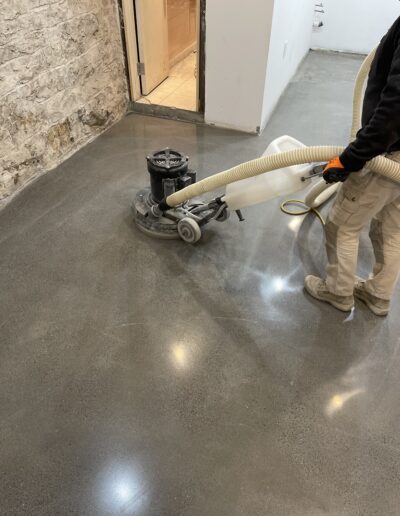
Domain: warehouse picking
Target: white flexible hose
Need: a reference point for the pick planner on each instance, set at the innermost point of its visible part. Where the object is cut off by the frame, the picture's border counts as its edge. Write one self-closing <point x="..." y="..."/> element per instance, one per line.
<point x="358" y="96"/>
<point x="380" y="165"/>
<point x="320" y="193"/>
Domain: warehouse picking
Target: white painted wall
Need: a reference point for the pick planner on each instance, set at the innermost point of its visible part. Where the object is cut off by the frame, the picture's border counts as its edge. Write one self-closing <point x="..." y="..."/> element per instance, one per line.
<point x="289" y="44"/>
<point x="237" y="43"/>
<point x="355" y="25"/>
<point x="247" y="66"/>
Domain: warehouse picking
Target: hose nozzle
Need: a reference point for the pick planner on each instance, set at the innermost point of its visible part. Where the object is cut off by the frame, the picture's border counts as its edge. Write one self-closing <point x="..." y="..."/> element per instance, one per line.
<point x="317" y="171"/>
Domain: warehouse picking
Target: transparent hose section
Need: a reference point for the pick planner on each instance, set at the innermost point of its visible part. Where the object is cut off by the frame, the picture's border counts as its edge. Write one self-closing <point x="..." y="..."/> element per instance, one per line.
<point x="380" y="165"/>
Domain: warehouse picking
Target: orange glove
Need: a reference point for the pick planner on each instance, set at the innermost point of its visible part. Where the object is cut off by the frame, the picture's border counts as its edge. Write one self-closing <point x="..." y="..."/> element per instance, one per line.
<point x="335" y="172"/>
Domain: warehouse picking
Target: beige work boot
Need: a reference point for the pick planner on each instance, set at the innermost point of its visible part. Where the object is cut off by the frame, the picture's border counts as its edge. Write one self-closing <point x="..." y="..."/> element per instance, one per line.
<point x="377" y="305"/>
<point x="317" y="288"/>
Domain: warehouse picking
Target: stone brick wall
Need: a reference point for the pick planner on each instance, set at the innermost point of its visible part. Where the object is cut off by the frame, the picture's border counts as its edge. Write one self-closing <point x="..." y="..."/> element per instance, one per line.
<point x="62" y="82"/>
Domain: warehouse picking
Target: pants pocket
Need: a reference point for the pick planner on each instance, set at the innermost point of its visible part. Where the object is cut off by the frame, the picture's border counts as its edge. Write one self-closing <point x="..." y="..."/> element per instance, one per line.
<point x="352" y="208"/>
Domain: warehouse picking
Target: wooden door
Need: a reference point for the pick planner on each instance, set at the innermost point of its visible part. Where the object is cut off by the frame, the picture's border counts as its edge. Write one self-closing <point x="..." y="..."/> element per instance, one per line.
<point x="152" y="34"/>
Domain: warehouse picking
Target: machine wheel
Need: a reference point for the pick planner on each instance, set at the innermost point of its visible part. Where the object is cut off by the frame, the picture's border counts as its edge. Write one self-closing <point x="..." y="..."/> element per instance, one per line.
<point x="189" y="230"/>
<point x="222" y="217"/>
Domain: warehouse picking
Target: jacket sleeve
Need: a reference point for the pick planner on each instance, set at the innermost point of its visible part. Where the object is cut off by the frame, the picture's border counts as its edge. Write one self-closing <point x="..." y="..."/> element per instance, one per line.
<point x="383" y="129"/>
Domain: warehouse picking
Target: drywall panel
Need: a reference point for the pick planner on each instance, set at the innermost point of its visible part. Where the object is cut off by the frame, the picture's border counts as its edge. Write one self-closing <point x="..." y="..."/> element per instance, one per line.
<point x="289" y="44"/>
<point x="355" y="26"/>
<point x="237" y="44"/>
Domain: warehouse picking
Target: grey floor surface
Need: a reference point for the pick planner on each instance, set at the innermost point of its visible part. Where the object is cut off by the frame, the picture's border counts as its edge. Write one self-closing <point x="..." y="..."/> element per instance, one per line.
<point x="154" y="378"/>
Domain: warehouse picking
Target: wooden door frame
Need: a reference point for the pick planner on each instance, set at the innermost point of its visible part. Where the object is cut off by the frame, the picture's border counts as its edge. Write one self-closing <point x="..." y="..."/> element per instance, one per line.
<point x="201" y="84"/>
<point x="131" y="51"/>
<point x="131" y="48"/>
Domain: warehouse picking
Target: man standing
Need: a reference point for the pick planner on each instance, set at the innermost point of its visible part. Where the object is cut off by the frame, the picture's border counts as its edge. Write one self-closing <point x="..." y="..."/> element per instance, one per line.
<point x="365" y="196"/>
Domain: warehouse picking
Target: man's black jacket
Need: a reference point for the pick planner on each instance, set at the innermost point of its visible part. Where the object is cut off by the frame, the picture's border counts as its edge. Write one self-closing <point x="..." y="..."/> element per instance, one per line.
<point x="380" y="131"/>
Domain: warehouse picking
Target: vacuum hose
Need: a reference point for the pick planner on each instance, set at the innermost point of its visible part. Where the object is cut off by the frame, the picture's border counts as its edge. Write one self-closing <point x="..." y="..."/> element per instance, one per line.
<point x="380" y="164"/>
<point x="322" y="191"/>
<point x="358" y="96"/>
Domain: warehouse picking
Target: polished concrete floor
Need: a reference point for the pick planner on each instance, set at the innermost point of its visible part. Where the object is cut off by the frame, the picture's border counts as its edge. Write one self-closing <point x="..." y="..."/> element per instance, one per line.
<point x="155" y="378"/>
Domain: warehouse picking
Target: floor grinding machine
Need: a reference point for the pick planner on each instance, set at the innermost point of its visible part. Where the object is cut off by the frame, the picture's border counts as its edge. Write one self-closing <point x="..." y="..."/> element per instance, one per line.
<point x="169" y="173"/>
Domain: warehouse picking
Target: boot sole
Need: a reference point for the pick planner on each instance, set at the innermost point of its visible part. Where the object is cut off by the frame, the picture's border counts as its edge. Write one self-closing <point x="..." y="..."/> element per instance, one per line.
<point x="338" y="306"/>
<point x="376" y="311"/>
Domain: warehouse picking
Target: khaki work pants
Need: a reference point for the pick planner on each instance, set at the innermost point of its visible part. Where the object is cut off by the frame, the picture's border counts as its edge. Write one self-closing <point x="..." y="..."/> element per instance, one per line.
<point x="364" y="197"/>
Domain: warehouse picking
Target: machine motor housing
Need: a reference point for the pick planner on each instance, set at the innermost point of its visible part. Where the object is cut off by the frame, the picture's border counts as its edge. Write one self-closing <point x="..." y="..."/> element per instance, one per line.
<point x="169" y="172"/>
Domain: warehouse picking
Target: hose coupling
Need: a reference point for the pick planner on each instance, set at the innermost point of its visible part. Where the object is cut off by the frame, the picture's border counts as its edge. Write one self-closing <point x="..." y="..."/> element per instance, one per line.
<point x="159" y="209"/>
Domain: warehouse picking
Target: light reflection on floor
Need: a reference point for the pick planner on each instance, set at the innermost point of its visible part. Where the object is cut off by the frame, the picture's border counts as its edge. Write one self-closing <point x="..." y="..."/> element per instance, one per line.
<point x="338" y="401"/>
<point x="123" y="488"/>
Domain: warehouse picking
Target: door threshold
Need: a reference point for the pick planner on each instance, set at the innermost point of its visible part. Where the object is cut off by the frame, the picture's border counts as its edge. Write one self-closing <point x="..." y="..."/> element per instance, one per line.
<point x="166" y="112"/>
